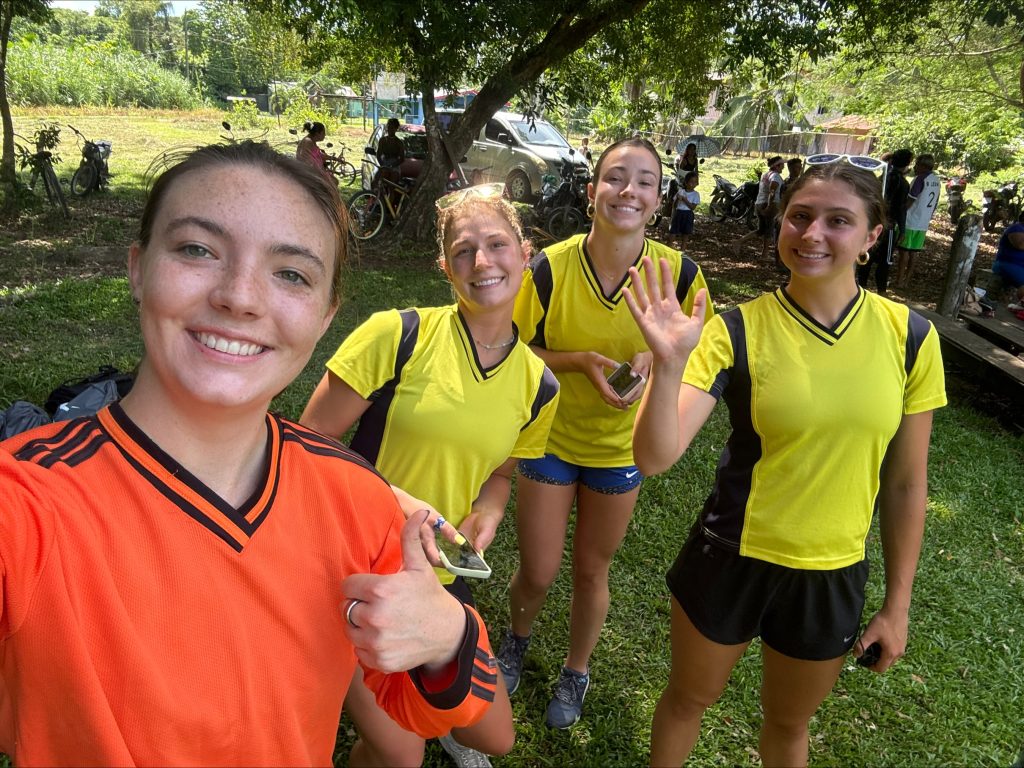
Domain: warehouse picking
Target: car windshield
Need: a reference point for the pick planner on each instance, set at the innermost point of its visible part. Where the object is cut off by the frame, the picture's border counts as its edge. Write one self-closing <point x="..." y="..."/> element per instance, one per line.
<point x="415" y="144"/>
<point x="540" y="133"/>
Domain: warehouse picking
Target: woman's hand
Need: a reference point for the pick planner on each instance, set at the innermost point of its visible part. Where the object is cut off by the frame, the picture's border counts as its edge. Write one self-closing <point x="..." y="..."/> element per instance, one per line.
<point x="670" y="334"/>
<point x="641" y="365"/>
<point x="593" y="365"/>
<point x="481" y="526"/>
<point x="888" y="628"/>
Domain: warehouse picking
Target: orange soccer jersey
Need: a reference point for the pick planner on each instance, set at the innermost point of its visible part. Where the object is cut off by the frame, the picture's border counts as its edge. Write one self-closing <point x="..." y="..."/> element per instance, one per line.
<point x="146" y="621"/>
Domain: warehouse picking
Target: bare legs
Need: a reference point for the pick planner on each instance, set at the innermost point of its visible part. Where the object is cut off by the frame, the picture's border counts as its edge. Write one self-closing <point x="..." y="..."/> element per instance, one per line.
<point x="904" y="267"/>
<point x="542" y="519"/>
<point x="791" y="692"/>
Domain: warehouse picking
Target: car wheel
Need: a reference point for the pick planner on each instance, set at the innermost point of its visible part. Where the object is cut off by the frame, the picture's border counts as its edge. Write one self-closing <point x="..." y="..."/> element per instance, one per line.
<point x="518" y="186"/>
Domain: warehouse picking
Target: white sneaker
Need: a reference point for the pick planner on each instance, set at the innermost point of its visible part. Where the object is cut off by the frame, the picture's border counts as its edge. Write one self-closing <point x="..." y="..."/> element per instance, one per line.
<point x="464" y="757"/>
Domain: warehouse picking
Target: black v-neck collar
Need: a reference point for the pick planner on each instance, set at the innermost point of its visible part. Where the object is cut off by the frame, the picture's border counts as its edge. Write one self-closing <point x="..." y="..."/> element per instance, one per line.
<point x="465" y="338"/>
<point x="235" y="526"/>
<point x="828" y="335"/>
<point x="594" y="281"/>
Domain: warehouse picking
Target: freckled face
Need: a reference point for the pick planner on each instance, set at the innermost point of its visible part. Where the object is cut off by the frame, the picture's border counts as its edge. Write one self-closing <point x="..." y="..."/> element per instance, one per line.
<point x="234" y="287"/>
<point x="484" y="260"/>
<point x="627" y="193"/>
<point x="824" y="229"/>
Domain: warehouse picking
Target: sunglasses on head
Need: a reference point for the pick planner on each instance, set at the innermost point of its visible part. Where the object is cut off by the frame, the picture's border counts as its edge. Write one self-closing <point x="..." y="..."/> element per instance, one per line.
<point x="484" y="191"/>
<point x="863" y="162"/>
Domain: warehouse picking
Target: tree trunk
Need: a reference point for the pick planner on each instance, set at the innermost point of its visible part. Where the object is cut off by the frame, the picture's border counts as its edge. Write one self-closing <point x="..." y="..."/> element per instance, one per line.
<point x="961" y="261"/>
<point x="568" y="35"/>
<point x="8" y="173"/>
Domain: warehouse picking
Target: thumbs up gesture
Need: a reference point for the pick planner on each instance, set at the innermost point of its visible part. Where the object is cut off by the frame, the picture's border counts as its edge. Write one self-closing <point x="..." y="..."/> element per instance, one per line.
<point x="405" y="619"/>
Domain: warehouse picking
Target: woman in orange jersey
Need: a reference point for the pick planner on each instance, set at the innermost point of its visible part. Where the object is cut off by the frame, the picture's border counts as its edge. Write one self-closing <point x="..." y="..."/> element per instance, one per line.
<point x="187" y="579"/>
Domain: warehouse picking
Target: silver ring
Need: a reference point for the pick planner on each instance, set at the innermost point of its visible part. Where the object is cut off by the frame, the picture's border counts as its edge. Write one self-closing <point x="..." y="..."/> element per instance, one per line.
<point x="439" y="523"/>
<point x="348" y="612"/>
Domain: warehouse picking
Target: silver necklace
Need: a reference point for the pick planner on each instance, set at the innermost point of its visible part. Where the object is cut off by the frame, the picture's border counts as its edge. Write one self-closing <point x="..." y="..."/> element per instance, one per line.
<point x="503" y="344"/>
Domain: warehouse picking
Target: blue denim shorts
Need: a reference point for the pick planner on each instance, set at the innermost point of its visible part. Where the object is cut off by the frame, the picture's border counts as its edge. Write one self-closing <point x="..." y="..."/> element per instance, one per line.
<point x="552" y="470"/>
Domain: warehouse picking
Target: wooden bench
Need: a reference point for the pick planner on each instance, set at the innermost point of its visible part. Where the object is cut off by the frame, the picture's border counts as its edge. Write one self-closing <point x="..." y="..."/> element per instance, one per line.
<point x="1004" y="330"/>
<point x="959" y="340"/>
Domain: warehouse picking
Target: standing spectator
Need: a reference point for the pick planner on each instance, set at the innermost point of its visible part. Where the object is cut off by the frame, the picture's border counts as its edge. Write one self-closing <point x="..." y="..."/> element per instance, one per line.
<point x="687" y="159"/>
<point x="687" y="199"/>
<point x="308" y="152"/>
<point x="584" y="152"/>
<point x="924" y="199"/>
<point x="794" y="167"/>
<point x="769" y="192"/>
<point x="896" y="190"/>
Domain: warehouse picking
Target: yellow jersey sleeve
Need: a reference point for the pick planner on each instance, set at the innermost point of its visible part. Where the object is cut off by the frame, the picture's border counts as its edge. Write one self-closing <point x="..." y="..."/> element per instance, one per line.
<point x="926" y="380"/>
<point x="365" y="360"/>
<point x="533" y="438"/>
<point x="706" y="369"/>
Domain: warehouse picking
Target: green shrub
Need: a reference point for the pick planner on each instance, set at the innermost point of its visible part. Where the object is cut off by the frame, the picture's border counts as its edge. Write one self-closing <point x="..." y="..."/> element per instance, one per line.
<point x="299" y="110"/>
<point x="245" y="114"/>
<point x="98" y="74"/>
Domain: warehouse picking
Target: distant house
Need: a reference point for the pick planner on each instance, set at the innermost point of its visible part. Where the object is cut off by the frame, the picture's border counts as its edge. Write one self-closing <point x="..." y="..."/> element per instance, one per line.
<point x="846" y="135"/>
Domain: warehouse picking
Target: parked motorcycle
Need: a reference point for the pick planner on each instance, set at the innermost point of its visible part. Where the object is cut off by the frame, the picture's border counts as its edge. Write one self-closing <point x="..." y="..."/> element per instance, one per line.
<point x="563" y="201"/>
<point x="1001" y="205"/>
<point x="93" y="172"/>
<point x="955" y="202"/>
<point x="731" y="201"/>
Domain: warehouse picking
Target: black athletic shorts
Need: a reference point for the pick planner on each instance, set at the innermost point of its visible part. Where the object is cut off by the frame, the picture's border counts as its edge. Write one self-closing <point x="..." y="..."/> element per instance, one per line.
<point x="731" y="599"/>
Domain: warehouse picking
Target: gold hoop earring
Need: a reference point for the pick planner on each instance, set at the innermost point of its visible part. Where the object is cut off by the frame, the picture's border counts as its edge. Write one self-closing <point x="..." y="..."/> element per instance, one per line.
<point x="590" y="209"/>
<point x="863" y="259"/>
<point x="653" y="220"/>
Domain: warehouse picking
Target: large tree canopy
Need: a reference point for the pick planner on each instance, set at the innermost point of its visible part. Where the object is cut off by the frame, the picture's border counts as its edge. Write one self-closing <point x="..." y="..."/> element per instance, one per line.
<point x="506" y="47"/>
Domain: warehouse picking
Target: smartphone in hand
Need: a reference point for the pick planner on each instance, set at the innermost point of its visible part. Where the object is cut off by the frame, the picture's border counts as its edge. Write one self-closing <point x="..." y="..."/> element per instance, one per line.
<point x="624" y="380"/>
<point x="462" y="559"/>
<point x="871" y="655"/>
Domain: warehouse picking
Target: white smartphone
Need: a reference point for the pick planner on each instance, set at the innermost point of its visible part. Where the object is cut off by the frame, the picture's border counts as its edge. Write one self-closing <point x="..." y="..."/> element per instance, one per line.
<point x="623" y="380"/>
<point x="462" y="559"/>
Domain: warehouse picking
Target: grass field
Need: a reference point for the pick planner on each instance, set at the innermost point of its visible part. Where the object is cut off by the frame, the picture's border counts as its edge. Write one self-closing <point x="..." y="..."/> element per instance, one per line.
<point x="954" y="700"/>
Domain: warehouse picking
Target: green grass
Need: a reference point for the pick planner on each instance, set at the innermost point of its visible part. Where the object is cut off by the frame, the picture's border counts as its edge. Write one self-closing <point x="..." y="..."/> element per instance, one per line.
<point x="954" y="700"/>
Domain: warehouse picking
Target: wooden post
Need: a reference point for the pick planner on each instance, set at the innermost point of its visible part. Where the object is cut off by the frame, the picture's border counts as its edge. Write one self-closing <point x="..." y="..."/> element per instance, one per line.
<point x="961" y="261"/>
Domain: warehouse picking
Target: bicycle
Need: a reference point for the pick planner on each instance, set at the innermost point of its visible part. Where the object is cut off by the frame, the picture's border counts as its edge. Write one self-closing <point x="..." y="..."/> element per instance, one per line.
<point x="41" y="162"/>
<point x="368" y="211"/>
<point x="344" y="171"/>
<point x="93" y="172"/>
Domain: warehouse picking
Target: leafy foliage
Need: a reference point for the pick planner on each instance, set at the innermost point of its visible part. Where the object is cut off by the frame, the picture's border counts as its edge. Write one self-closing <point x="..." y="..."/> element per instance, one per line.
<point x="93" y="73"/>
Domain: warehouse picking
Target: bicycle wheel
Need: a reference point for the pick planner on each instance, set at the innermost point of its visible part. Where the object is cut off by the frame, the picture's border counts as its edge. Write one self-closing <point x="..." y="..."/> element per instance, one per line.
<point x="84" y="180"/>
<point x="53" y="191"/>
<point x="346" y="173"/>
<point x="365" y="215"/>
<point x="564" y="222"/>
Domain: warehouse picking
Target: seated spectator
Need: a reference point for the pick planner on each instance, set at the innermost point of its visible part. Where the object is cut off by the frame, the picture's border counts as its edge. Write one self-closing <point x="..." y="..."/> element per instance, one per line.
<point x="1009" y="263"/>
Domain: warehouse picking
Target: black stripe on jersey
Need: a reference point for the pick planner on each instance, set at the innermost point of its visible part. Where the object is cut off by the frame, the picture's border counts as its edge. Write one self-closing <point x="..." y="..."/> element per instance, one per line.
<point x="687" y="274"/>
<point x="723" y="514"/>
<point x="180" y="503"/>
<point x="56" y="443"/>
<point x="544" y="282"/>
<point x="917" y="332"/>
<point x="482" y="693"/>
<point x="456" y="693"/>
<point x="545" y="394"/>
<point x="97" y="439"/>
<point x="321" y="445"/>
<point x="484" y="676"/>
<point x="370" y="432"/>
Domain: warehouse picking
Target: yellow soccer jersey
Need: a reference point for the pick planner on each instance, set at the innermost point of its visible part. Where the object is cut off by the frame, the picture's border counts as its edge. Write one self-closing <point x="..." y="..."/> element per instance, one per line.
<point x="439" y="423"/>
<point x="561" y="307"/>
<point x="812" y="411"/>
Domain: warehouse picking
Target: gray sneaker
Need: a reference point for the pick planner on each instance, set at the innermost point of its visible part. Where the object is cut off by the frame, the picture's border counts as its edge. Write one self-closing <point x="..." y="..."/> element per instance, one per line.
<point x="510" y="658"/>
<point x="464" y="757"/>
<point x="566" y="705"/>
